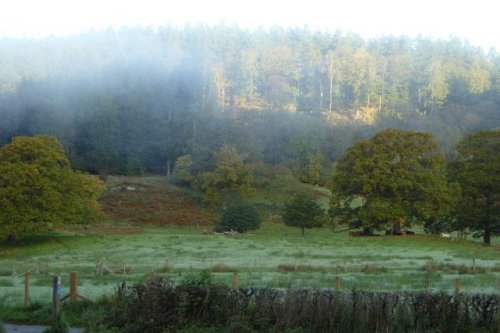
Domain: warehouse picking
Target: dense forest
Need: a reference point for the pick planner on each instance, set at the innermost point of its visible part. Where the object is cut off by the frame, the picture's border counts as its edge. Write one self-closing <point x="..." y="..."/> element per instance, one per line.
<point x="133" y="101"/>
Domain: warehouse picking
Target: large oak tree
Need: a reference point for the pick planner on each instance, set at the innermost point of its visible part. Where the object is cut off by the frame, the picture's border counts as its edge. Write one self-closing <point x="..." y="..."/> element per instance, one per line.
<point x="477" y="170"/>
<point x="39" y="191"/>
<point x="390" y="180"/>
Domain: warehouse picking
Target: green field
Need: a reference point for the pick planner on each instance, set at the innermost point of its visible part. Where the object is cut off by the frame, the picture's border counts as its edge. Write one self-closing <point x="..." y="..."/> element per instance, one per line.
<point x="274" y="256"/>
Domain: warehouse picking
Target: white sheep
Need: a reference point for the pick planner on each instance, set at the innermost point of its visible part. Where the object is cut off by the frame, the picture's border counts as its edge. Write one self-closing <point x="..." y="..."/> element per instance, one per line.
<point x="446" y="235"/>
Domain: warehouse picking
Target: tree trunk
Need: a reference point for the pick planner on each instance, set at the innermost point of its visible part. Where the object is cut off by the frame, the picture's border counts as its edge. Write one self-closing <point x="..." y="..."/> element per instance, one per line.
<point x="396" y="228"/>
<point x="302" y="231"/>
<point x="487" y="226"/>
<point x="381" y="93"/>
<point x="320" y="96"/>
<point x="331" y="86"/>
<point x="487" y="236"/>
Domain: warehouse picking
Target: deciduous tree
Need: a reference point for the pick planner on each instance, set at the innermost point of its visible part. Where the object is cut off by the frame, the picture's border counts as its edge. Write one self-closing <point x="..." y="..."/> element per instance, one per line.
<point x="477" y="170"/>
<point x="313" y="170"/>
<point x="302" y="212"/>
<point x="39" y="191"/>
<point x="389" y="180"/>
<point x="182" y="169"/>
<point x="231" y="176"/>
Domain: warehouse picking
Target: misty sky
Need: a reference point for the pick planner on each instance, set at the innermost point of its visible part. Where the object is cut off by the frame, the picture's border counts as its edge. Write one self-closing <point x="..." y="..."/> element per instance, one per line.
<point x="475" y="21"/>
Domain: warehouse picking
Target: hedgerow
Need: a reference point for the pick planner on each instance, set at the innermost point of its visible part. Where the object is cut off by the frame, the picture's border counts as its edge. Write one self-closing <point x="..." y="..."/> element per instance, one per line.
<point x="161" y="305"/>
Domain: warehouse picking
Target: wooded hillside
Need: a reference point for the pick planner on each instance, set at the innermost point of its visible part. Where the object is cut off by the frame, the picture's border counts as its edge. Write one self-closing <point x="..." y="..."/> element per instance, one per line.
<point x="134" y="100"/>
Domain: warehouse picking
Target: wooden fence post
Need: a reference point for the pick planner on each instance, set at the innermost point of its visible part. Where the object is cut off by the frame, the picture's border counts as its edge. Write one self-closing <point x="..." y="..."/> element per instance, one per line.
<point x="236" y="280"/>
<point x="73" y="292"/>
<point x="26" y="288"/>
<point x="457" y="286"/>
<point x="337" y="283"/>
<point x="56" y="294"/>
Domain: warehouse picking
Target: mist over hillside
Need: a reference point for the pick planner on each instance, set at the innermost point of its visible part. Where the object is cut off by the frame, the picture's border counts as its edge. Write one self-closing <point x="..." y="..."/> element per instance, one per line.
<point x="134" y="100"/>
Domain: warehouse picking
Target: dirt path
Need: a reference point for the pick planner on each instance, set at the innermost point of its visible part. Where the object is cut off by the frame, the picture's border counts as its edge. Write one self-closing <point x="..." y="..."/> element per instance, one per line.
<point x="11" y="328"/>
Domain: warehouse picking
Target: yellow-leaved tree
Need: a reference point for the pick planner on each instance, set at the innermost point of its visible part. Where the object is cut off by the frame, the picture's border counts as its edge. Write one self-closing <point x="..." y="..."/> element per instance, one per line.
<point x="231" y="177"/>
<point x="39" y="191"/>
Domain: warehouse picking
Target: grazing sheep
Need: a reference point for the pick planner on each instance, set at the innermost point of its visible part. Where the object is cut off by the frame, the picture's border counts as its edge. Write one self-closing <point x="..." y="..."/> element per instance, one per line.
<point x="446" y="235"/>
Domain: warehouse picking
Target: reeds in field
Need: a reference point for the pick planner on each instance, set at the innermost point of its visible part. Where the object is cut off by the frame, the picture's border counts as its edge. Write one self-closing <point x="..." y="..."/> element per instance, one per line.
<point x="300" y="268"/>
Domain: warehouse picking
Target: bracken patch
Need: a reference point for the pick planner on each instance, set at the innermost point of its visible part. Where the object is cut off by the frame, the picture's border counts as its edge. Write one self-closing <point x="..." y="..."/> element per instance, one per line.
<point x="154" y="205"/>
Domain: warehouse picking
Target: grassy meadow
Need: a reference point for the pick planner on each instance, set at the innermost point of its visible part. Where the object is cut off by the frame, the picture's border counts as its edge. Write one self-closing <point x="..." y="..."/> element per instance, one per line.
<point x="274" y="256"/>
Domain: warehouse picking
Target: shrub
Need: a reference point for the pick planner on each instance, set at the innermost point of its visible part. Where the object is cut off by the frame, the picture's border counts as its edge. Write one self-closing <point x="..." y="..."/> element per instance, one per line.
<point x="199" y="305"/>
<point x="241" y="218"/>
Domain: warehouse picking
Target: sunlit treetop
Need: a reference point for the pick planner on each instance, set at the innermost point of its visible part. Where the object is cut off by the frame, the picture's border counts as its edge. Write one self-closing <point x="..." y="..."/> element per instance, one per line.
<point x="39" y="191"/>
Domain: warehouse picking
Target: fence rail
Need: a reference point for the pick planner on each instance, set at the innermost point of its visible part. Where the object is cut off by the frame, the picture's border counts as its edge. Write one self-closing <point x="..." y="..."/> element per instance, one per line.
<point x="73" y="294"/>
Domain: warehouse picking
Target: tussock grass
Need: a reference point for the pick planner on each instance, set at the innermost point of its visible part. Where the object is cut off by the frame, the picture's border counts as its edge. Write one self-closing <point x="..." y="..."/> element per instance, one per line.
<point x="300" y="268"/>
<point x="5" y="272"/>
<point x="6" y="253"/>
<point x="6" y="283"/>
<point x="373" y="268"/>
<point x="126" y="269"/>
<point x="454" y="268"/>
<point x="166" y="268"/>
<point x="41" y="281"/>
<point x="219" y="268"/>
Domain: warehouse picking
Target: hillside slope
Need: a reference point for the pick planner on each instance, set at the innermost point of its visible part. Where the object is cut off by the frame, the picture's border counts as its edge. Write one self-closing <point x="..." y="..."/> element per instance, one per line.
<point x="151" y="200"/>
